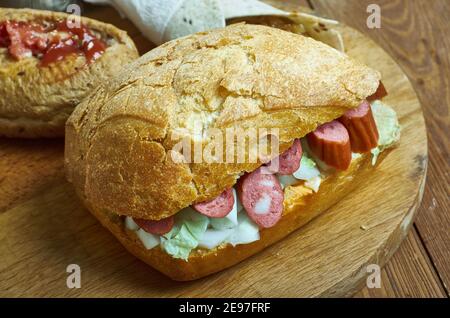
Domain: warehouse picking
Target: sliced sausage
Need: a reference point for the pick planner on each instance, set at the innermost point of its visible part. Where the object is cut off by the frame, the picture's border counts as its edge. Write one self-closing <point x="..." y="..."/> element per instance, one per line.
<point x="330" y="142"/>
<point x="379" y="94"/>
<point x="262" y="197"/>
<point x="289" y="161"/>
<point x="218" y="207"/>
<point x="361" y="128"/>
<point x="159" y="227"/>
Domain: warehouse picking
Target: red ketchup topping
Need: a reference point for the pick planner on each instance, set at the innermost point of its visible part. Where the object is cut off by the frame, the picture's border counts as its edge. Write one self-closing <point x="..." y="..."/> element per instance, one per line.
<point x="50" y="44"/>
<point x="4" y="37"/>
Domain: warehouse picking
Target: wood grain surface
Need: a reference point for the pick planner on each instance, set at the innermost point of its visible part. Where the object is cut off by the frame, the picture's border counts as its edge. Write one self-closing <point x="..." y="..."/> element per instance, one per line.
<point x="32" y="173"/>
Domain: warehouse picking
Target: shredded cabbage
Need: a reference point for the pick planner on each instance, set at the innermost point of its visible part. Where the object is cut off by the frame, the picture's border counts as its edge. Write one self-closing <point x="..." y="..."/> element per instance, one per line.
<point x="356" y="155"/>
<point x="184" y="237"/>
<point x="246" y="232"/>
<point x="181" y="244"/>
<point x="149" y="240"/>
<point x="212" y="238"/>
<point x="130" y="224"/>
<point x="286" y="180"/>
<point x="313" y="183"/>
<point x="387" y="125"/>
<point x="307" y="170"/>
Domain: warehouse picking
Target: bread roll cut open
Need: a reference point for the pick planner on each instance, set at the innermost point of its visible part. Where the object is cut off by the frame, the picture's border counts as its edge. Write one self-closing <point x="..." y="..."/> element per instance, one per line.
<point x="119" y="140"/>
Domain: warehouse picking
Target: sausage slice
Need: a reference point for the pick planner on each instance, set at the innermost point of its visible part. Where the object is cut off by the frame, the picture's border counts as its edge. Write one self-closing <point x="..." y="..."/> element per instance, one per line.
<point x="361" y="128"/>
<point x="159" y="227"/>
<point x="289" y="161"/>
<point x="218" y="207"/>
<point x="330" y="142"/>
<point x="262" y="197"/>
<point x="379" y="94"/>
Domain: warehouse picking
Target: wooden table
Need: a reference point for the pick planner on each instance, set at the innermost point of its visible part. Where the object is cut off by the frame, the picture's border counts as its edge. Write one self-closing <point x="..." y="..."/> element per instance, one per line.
<point x="414" y="32"/>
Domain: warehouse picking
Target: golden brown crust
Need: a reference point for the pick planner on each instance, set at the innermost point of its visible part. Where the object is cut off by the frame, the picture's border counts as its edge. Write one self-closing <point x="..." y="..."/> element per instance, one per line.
<point x="118" y="141"/>
<point x="36" y="101"/>
<point x="205" y="262"/>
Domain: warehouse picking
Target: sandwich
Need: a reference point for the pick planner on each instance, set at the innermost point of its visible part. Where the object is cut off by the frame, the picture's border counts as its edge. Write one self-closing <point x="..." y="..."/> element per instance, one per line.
<point x="132" y="146"/>
<point x="48" y="63"/>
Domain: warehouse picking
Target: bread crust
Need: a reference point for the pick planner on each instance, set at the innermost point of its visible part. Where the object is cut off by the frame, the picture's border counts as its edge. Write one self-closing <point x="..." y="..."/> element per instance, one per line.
<point x="36" y="101"/>
<point x="203" y="262"/>
<point x="119" y="140"/>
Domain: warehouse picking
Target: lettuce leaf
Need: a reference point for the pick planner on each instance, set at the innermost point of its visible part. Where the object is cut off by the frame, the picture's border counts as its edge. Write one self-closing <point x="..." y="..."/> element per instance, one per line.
<point x="149" y="240"/>
<point x="181" y="244"/>
<point x="246" y="232"/>
<point x="195" y="222"/>
<point x="307" y="170"/>
<point x="184" y="237"/>
<point x="387" y="125"/>
<point x="213" y="238"/>
<point x="286" y="180"/>
<point x="313" y="183"/>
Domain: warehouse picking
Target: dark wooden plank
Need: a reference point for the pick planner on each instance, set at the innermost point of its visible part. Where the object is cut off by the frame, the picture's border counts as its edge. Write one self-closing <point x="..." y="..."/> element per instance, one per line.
<point x="416" y="34"/>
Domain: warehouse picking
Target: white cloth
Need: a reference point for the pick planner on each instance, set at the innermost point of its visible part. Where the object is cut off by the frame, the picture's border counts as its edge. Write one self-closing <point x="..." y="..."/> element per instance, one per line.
<point x="248" y="8"/>
<point x="164" y="20"/>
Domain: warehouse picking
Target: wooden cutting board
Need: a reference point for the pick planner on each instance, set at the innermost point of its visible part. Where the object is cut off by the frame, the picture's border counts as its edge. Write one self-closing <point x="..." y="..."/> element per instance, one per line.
<point x="44" y="228"/>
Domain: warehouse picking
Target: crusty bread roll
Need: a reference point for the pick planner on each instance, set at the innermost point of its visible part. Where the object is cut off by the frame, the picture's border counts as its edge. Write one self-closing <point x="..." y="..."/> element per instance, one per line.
<point x="36" y="101"/>
<point x="119" y="139"/>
